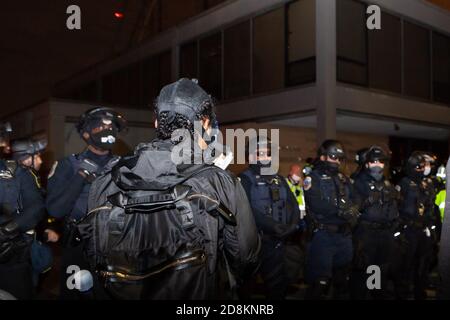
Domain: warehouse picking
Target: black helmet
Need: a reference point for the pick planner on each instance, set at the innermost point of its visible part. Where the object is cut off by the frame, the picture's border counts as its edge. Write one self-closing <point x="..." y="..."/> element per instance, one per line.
<point x="360" y="156"/>
<point x="376" y="153"/>
<point x="260" y="142"/>
<point x="332" y="149"/>
<point x="184" y="97"/>
<point x="92" y="117"/>
<point x="415" y="161"/>
<point x="430" y="157"/>
<point x="21" y="149"/>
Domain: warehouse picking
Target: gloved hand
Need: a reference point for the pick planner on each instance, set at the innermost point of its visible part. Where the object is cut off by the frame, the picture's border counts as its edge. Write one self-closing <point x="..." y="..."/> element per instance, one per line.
<point x="350" y="214"/>
<point x="88" y="169"/>
<point x="9" y="232"/>
<point x="374" y="198"/>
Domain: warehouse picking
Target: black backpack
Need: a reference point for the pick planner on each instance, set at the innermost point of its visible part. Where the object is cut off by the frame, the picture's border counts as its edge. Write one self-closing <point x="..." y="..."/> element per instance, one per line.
<point x="146" y="242"/>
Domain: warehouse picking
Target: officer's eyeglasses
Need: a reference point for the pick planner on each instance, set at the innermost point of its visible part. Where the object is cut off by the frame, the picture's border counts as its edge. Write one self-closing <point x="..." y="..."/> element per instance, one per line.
<point x="335" y="157"/>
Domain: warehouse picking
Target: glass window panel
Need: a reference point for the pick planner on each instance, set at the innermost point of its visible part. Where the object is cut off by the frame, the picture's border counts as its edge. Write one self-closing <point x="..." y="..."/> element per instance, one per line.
<point x="211" y="65"/>
<point x="417" y="60"/>
<point x="237" y="60"/>
<point x="385" y="54"/>
<point x="268" y="51"/>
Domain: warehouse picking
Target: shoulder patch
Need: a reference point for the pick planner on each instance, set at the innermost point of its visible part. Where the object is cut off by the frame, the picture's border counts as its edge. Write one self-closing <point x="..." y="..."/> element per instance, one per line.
<point x="398" y="188"/>
<point x="52" y="170"/>
<point x="307" y="183"/>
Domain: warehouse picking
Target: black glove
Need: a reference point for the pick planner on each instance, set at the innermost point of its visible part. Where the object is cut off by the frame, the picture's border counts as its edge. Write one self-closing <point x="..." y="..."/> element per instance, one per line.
<point x="88" y="169"/>
<point x="9" y="231"/>
<point x="350" y="214"/>
<point x="374" y="198"/>
<point x="9" y="234"/>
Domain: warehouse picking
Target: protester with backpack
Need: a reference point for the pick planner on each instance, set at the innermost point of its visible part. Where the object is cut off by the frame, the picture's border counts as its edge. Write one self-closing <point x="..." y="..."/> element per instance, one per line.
<point x="69" y="182"/>
<point x="164" y="225"/>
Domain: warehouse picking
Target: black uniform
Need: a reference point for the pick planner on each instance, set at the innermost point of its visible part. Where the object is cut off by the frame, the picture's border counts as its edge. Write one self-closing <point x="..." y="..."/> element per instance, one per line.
<point x="373" y="239"/>
<point x="153" y="241"/>
<point x="417" y="218"/>
<point x="23" y="207"/>
<point x="277" y="217"/>
<point x="67" y="198"/>
<point x="328" y="196"/>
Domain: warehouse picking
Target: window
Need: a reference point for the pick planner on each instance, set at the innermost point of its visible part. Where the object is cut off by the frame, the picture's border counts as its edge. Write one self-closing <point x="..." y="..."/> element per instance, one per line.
<point x="385" y="54"/>
<point x="188" y="60"/>
<point x="156" y="74"/>
<point x="417" y="61"/>
<point x="135" y="85"/>
<point x="351" y="42"/>
<point x="237" y="61"/>
<point x="210" y="77"/>
<point x="165" y="69"/>
<point x="115" y="87"/>
<point x="441" y="68"/>
<point x="301" y="64"/>
<point x="268" y="51"/>
<point x="150" y="80"/>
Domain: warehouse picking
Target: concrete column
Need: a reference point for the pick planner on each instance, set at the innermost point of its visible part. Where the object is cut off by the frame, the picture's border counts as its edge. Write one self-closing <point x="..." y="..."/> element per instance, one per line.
<point x="326" y="69"/>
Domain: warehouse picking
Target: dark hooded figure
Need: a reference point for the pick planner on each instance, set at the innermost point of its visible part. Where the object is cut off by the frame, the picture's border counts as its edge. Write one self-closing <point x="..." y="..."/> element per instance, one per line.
<point x="168" y="222"/>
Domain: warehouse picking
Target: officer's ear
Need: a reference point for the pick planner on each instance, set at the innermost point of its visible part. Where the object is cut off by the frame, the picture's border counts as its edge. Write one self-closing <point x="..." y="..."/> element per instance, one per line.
<point x="323" y="158"/>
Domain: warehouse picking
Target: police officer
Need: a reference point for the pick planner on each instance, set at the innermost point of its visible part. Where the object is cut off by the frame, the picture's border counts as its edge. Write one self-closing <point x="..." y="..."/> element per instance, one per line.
<point x="417" y="217"/>
<point x="276" y="213"/>
<point x="70" y="179"/>
<point x="328" y="195"/>
<point x="373" y="238"/>
<point x="22" y="207"/>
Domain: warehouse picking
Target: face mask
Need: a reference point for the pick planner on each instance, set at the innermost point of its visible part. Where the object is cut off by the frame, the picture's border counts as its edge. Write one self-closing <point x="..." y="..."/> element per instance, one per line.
<point x="427" y="171"/>
<point x="296" y="178"/>
<point x="104" y="139"/>
<point x="332" y="167"/>
<point x="376" y="172"/>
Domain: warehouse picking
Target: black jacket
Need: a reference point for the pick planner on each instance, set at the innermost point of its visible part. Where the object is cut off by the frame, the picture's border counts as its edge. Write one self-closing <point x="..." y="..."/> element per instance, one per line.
<point x="153" y="167"/>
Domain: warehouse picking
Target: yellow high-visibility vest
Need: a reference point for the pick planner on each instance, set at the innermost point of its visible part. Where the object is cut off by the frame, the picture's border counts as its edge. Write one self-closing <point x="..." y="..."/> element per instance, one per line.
<point x="297" y="190"/>
<point x="440" y="202"/>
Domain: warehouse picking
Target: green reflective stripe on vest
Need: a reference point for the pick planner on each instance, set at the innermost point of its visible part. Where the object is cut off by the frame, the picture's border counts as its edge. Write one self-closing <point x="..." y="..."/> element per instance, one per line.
<point x="300" y="198"/>
<point x="440" y="202"/>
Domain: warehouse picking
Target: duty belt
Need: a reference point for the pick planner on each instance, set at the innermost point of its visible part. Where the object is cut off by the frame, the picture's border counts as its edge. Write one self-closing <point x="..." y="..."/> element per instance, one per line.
<point x="181" y="261"/>
<point x="415" y="224"/>
<point x="376" y="225"/>
<point x="333" y="228"/>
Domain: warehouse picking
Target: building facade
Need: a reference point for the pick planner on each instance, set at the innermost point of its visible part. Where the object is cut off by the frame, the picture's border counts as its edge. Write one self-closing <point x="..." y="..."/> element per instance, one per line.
<point x="311" y="68"/>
